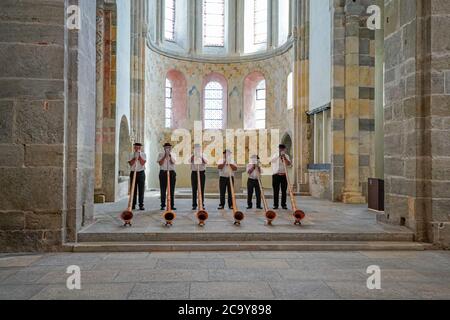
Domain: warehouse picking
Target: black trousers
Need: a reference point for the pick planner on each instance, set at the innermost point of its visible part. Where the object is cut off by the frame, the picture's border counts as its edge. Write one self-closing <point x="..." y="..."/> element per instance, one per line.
<point x="140" y="186"/>
<point x="194" y="183"/>
<point x="279" y="182"/>
<point x="253" y="186"/>
<point x="163" y="185"/>
<point x="224" y="186"/>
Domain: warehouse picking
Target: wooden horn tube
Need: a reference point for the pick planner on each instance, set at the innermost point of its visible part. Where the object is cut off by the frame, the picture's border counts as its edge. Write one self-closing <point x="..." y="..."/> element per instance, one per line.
<point x="202" y="215"/>
<point x="127" y="215"/>
<point x="298" y="214"/>
<point x="169" y="215"/>
<point x="270" y="214"/>
<point x="238" y="215"/>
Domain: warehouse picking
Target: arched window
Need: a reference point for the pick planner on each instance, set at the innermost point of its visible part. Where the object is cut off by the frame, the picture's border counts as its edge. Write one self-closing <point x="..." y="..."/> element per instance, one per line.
<point x="213" y="105"/>
<point x="255" y="25"/>
<point x="169" y="20"/>
<point x="213" y="23"/>
<point x="284" y="11"/>
<point x="290" y="92"/>
<point x="260" y="105"/>
<point x="169" y="103"/>
<point x="254" y="95"/>
<point x="260" y="22"/>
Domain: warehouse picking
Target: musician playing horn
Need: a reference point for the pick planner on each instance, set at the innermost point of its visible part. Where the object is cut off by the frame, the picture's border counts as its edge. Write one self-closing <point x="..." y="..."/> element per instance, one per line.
<point x="224" y="166"/>
<point x="254" y="173"/>
<point x="198" y="162"/>
<point x="279" y="179"/>
<point x="137" y="163"/>
<point x="166" y="161"/>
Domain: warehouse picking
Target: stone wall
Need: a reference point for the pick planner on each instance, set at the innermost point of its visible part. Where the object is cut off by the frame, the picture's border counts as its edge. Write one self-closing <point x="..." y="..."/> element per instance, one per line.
<point x="47" y="100"/>
<point x="417" y="117"/>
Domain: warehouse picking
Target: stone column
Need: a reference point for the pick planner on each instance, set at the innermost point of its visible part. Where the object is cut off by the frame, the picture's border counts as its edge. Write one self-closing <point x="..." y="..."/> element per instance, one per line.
<point x="109" y="103"/>
<point x="100" y="46"/>
<point x="352" y="190"/>
<point x="138" y="35"/>
<point x="301" y="94"/>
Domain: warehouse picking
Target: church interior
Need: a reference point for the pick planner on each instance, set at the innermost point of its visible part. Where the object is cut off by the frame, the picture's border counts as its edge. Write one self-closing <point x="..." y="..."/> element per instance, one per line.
<point x="358" y="92"/>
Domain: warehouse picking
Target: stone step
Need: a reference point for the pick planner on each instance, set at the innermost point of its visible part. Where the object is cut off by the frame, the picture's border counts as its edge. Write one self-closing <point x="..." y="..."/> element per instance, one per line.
<point x="199" y="246"/>
<point x="243" y="236"/>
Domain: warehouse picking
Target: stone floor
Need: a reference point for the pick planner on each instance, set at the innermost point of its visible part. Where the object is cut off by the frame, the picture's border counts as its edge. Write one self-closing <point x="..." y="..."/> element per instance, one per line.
<point x="240" y="275"/>
<point x="322" y="217"/>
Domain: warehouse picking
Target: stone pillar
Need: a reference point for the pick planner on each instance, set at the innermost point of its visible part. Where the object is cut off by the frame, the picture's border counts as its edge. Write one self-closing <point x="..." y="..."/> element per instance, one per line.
<point x="352" y="190"/>
<point x="99" y="196"/>
<point x="301" y="94"/>
<point x="138" y="36"/>
<point x="108" y="166"/>
<point x="352" y="101"/>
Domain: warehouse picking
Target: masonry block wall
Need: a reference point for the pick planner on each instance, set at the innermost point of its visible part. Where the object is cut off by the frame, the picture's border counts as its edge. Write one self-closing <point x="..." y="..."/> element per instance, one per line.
<point x="44" y="137"/>
<point x="417" y="111"/>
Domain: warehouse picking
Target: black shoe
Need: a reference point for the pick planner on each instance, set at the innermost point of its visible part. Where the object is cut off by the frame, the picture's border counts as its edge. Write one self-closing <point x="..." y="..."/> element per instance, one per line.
<point x="275" y="208"/>
<point x="142" y="208"/>
<point x="134" y="208"/>
<point x="221" y="208"/>
<point x="285" y="208"/>
<point x="194" y="208"/>
<point x="259" y="208"/>
<point x="231" y="208"/>
<point x="249" y="208"/>
<point x="163" y="208"/>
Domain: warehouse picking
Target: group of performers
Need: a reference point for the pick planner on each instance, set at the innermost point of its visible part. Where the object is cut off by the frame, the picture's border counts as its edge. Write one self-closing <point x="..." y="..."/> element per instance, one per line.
<point x="226" y="167"/>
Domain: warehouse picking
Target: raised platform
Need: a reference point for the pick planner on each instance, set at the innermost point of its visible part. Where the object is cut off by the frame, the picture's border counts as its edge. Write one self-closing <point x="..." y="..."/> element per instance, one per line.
<point x="328" y="226"/>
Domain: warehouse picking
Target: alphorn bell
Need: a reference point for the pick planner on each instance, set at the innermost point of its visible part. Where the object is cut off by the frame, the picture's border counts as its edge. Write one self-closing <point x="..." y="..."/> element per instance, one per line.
<point x="202" y="215"/>
<point x="127" y="215"/>
<point x="299" y="215"/>
<point x="169" y="215"/>
<point x="270" y="215"/>
<point x="238" y="215"/>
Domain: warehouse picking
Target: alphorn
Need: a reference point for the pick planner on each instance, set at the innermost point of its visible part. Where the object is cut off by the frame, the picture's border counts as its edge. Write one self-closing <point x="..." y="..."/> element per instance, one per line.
<point x="238" y="215"/>
<point x="169" y="215"/>
<point x="127" y="215"/>
<point x="299" y="215"/>
<point x="202" y="215"/>
<point x="270" y="215"/>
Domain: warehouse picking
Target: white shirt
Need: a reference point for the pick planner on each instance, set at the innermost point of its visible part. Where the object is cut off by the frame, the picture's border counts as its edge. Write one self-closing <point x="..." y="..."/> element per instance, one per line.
<point x="277" y="164"/>
<point x="167" y="164"/>
<point x="255" y="174"/>
<point x="225" y="172"/>
<point x="137" y="165"/>
<point x="198" y="163"/>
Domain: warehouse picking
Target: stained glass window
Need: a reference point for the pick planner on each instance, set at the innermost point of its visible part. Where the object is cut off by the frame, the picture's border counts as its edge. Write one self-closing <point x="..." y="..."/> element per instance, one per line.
<point x="169" y="103"/>
<point x="260" y="105"/>
<point x="213" y="112"/>
<point x="213" y="23"/>
<point x="260" y="22"/>
<point x="170" y="20"/>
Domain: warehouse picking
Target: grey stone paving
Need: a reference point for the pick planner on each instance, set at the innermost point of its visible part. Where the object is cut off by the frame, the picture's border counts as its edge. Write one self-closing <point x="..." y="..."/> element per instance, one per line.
<point x="228" y="275"/>
<point x="322" y="217"/>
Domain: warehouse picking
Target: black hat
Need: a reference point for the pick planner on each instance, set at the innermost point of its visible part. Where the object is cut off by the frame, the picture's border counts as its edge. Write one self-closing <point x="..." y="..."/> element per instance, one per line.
<point x="167" y="145"/>
<point x="282" y="146"/>
<point x="137" y="144"/>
